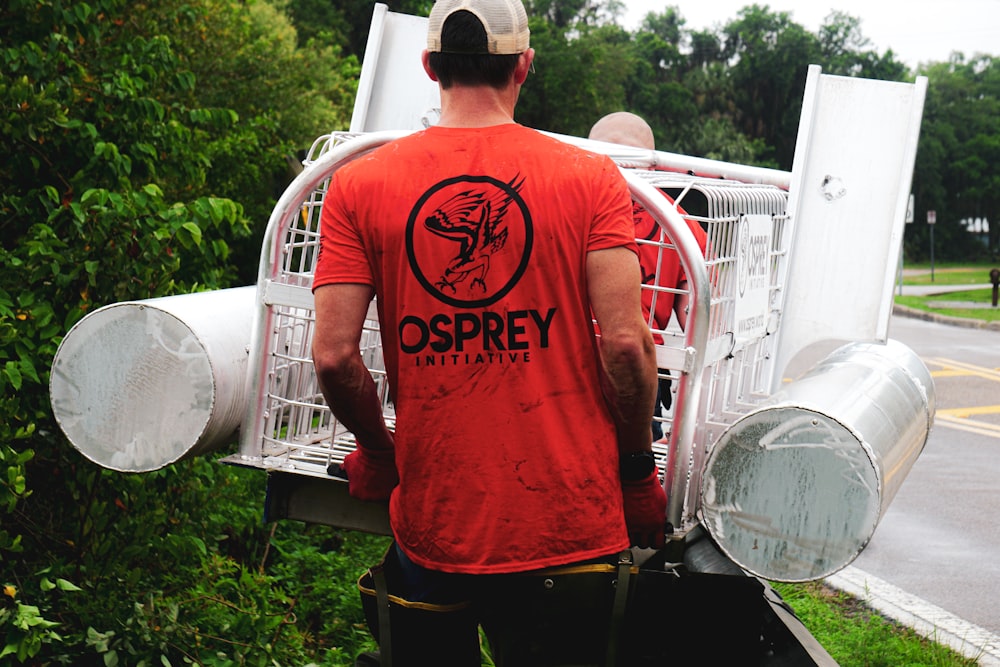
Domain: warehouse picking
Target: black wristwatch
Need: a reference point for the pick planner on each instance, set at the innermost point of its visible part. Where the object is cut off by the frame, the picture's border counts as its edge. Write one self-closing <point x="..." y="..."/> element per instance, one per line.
<point x="636" y="465"/>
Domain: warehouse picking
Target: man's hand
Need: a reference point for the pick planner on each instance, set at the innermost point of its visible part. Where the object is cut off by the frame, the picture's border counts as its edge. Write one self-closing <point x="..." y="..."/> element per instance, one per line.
<point x="646" y="511"/>
<point x="371" y="473"/>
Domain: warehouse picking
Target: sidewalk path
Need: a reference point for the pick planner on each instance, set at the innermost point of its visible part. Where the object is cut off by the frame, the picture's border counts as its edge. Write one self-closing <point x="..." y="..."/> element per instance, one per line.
<point x="929" y="290"/>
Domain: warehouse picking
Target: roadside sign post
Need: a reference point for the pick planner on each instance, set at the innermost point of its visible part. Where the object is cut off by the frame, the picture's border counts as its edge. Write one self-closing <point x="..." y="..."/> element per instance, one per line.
<point x="931" y="219"/>
<point x="908" y="220"/>
<point x="995" y="279"/>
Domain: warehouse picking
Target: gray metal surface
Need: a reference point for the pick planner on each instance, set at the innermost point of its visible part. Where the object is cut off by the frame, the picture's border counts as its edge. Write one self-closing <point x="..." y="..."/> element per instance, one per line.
<point x="326" y="501"/>
<point x="851" y="174"/>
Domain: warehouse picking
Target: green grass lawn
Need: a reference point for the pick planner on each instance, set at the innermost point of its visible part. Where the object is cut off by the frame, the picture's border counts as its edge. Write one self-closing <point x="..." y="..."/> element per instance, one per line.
<point x="920" y="274"/>
<point x="946" y="303"/>
<point x="943" y="304"/>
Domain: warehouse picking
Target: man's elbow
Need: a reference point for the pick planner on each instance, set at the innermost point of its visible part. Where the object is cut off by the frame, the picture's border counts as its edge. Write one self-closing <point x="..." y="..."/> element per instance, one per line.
<point x="629" y="348"/>
<point x="332" y="363"/>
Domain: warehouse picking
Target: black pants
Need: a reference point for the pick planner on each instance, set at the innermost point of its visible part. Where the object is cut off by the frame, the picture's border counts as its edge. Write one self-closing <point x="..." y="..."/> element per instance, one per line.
<point x="563" y="616"/>
<point x="545" y="618"/>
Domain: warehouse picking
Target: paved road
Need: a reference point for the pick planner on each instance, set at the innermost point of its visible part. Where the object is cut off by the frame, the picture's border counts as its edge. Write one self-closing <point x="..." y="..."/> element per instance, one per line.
<point x="940" y="539"/>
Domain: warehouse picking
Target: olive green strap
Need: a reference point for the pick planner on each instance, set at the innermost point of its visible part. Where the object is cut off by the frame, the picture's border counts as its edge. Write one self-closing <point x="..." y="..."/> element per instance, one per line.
<point x="384" y="630"/>
<point x="624" y="571"/>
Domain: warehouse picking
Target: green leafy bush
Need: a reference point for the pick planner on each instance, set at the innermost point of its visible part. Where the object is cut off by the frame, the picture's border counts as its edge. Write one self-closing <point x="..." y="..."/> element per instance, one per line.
<point x="138" y="165"/>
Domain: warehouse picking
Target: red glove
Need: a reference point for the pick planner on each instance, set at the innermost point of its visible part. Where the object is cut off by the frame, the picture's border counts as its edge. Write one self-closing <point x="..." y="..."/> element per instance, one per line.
<point x="646" y="511"/>
<point x="371" y="473"/>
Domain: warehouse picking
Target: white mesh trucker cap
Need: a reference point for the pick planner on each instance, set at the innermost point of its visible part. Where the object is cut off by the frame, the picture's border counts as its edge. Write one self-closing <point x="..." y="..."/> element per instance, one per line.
<point x="505" y="21"/>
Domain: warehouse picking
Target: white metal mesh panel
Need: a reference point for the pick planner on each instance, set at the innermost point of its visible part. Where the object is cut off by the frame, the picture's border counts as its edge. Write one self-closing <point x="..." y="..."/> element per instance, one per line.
<point x="299" y="431"/>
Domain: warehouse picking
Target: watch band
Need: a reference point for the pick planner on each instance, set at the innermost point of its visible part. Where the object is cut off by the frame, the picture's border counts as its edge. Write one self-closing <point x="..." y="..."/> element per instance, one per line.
<point x="634" y="466"/>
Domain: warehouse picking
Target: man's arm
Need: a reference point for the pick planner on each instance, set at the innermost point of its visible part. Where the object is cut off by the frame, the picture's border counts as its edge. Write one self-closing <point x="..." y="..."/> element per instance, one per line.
<point x="627" y="352"/>
<point x="629" y="360"/>
<point x="347" y="385"/>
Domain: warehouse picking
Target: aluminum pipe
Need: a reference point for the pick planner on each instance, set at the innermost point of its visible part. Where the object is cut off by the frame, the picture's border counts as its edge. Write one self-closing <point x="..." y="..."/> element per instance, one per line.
<point x="139" y="385"/>
<point x="793" y="490"/>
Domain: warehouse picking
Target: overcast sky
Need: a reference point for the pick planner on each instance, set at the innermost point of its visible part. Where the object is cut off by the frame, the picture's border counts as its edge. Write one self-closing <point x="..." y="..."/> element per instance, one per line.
<point x="917" y="30"/>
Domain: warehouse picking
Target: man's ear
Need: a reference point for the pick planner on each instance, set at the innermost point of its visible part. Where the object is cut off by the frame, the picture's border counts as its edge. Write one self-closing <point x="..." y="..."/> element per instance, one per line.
<point x="425" y="60"/>
<point x="523" y="66"/>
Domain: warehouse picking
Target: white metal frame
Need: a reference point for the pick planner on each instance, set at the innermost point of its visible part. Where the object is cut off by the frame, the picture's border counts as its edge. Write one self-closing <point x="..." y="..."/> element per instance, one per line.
<point x="288" y="427"/>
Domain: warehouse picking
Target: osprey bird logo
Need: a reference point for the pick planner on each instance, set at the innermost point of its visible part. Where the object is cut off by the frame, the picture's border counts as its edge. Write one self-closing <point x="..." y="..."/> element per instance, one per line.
<point x="474" y="220"/>
<point x="458" y="231"/>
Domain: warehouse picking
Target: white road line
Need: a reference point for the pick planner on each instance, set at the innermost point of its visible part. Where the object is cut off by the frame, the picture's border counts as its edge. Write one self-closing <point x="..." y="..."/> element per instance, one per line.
<point x="925" y="618"/>
<point x="968" y="425"/>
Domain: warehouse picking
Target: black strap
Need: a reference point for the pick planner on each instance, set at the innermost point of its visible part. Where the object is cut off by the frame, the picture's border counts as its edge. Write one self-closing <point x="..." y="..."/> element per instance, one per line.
<point x="624" y="571"/>
<point x="384" y="629"/>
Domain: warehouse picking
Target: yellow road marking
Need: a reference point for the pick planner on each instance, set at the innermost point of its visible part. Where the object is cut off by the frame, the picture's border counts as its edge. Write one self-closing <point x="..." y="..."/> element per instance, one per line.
<point x="950" y="367"/>
<point x="959" y="418"/>
<point x="949" y="373"/>
<point x="959" y="413"/>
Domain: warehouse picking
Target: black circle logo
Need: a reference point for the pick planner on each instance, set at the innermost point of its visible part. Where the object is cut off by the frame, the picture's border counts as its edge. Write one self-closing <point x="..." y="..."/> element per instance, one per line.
<point x="468" y="240"/>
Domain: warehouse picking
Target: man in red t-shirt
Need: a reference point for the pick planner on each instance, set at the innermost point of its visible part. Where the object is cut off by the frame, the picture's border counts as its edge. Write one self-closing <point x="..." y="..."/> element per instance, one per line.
<point x="660" y="267"/>
<point x="488" y="246"/>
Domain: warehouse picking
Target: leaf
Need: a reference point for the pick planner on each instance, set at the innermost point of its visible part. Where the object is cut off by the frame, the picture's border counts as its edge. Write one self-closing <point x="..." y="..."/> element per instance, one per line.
<point x="90" y="193"/>
<point x="20" y="485"/>
<point x="218" y="209"/>
<point x="66" y="585"/>
<point x="194" y="230"/>
<point x="13" y="374"/>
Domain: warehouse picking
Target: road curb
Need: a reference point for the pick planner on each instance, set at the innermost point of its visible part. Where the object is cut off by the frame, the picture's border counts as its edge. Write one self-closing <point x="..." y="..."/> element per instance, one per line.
<point x="924" y="618"/>
<point x="906" y="311"/>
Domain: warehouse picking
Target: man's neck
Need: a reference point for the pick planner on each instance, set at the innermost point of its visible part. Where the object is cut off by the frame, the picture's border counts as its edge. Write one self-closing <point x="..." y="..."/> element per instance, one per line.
<point x="479" y="106"/>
